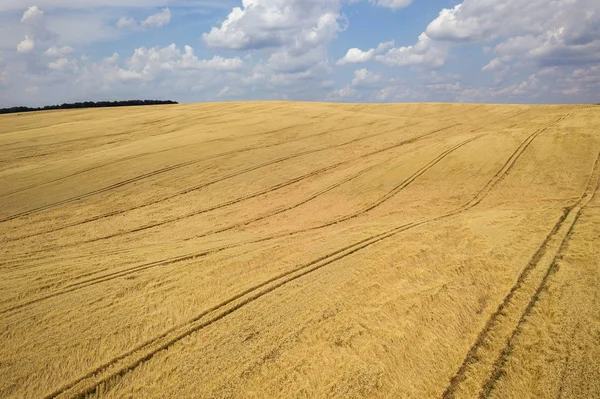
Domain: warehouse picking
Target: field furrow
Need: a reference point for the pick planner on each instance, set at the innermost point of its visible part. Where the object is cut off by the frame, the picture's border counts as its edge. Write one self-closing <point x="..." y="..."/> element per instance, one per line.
<point x="288" y="249"/>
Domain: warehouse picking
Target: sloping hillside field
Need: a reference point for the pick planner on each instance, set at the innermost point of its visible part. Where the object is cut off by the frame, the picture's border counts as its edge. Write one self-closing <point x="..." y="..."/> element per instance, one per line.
<point x="272" y="249"/>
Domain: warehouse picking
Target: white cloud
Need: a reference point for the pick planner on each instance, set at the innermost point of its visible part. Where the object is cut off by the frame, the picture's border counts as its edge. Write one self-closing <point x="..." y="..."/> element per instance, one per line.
<point x="445" y="86"/>
<point x="344" y="93"/>
<point x="298" y="25"/>
<point x="536" y="33"/>
<point x="291" y="34"/>
<point x="26" y="46"/>
<point x="393" y="4"/>
<point x="283" y="51"/>
<point x="33" y="15"/>
<point x="546" y="33"/>
<point x="163" y="72"/>
<point x="356" y="55"/>
<point x="58" y="51"/>
<point x="64" y="65"/>
<point x="284" y="61"/>
<point x="223" y="91"/>
<point x="14" y="5"/>
<point x="157" y="20"/>
<point x="399" y="92"/>
<point x="35" y="20"/>
<point x="149" y="63"/>
<point x="365" y="79"/>
<point x="499" y="66"/>
<point x="126" y="23"/>
<point x="425" y="52"/>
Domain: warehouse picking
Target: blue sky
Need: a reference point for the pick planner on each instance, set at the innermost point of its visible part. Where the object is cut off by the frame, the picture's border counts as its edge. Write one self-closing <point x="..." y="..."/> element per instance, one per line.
<point x="539" y="51"/>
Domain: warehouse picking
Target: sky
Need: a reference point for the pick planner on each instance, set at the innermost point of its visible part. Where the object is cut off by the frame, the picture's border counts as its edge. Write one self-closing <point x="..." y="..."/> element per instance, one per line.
<point x="510" y="51"/>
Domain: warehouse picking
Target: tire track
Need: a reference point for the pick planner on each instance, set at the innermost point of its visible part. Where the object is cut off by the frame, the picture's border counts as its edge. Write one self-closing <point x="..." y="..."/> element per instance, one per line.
<point x="141" y="228"/>
<point x="136" y="269"/>
<point x="391" y="193"/>
<point x="188" y="163"/>
<point x="524" y="290"/>
<point x="387" y="196"/>
<point x="288" y="234"/>
<point x="118" y="366"/>
<point x="250" y="196"/>
<point x="364" y="210"/>
<point x="149" y="153"/>
<point x="472" y="357"/>
<point x="498" y="367"/>
<point x="510" y="163"/>
<point x="182" y="165"/>
<point x="207" y="115"/>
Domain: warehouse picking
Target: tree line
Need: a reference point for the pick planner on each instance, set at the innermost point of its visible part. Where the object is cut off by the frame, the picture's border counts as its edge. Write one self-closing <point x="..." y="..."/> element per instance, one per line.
<point x="87" y="104"/>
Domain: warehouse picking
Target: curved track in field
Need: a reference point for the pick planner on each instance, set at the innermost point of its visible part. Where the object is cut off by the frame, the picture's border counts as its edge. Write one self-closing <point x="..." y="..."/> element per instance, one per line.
<point x="120" y="365"/>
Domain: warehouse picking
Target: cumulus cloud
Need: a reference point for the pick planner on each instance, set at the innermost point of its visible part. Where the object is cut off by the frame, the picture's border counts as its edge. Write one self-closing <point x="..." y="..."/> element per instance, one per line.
<point x="35" y="22"/>
<point x="12" y="5"/>
<point x="148" y="63"/>
<point x="537" y="33"/>
<point x="155" y="71"/>
<point x="545" y="33"/>
<point x="26" y="46"/>
<point x="425" y="52"/>
<point x="393" y="4"/>
<point x="55" y="51"/>
<point x="344" y="93"/>
<point x="445" y="86"/>
<point x="298" y="25"/>
<point x="291" y="34"/>
<point x="356" y="55"/>
<point x="283" y="51"/>
<point x="158" y="20"/>
<point x="365" y="79"/>
<point x="64" y="65"/>
<point x="126" y="23"/>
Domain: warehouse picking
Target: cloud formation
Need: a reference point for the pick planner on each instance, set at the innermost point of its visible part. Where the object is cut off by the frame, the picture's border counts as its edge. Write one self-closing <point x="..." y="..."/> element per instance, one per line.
<point x="393" y="4"/>
<point x="297" y="25"/>
<point x="35" y="22"/>
<point x="357" y="56"/>
<point x="157" y="20"/>
<point x="282" y="49"/>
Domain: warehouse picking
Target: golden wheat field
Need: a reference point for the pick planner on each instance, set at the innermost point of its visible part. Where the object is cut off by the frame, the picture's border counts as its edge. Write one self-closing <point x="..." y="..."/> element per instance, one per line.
<point x="279" y="249"/>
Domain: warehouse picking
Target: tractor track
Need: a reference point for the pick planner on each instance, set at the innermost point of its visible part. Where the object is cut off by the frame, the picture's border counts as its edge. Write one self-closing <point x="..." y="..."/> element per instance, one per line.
<point x="511" y="306"/>
<point x="111" y="276"/>
<point x="253" y="195"/>
<point x="362" y="211"/>
<point x="122" y="364"/>
<point x="498" y="367"/>
<point x="510" y="163"/>
<point x="231" y="138"/>
<point x="387" y="196"/>
<point x="193" y="188"/>
<point x="79" y="172"/>
<point x="395" y="190"/>
<point x="99" y="279"/>
<point x="228" y="203"/>
<point x="188" y="163"/>
<point x="172" y="167"/>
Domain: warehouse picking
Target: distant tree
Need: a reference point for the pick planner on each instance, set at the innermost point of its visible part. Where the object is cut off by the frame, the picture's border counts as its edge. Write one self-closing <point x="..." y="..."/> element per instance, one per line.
<point x="87" y="104"/>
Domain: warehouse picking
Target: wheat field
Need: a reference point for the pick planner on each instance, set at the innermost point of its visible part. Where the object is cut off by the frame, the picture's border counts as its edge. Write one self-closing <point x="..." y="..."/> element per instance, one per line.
<point x="280" y="249"/>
